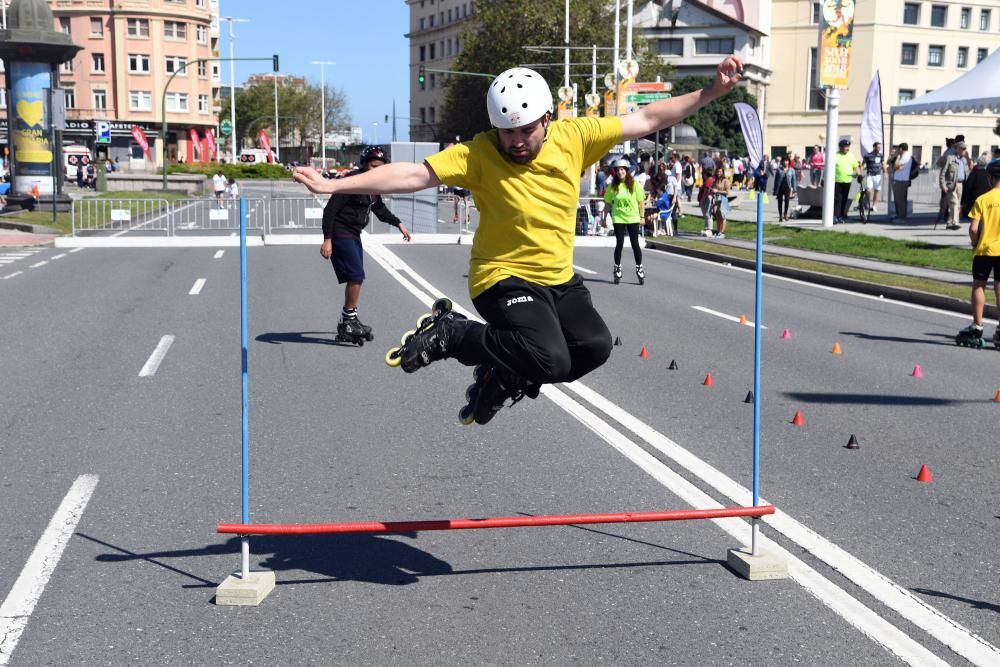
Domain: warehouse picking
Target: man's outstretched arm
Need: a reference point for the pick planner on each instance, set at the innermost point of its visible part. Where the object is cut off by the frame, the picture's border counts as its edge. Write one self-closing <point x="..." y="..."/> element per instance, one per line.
<point x="393" y="178"/>
<point x="665" y="113"/>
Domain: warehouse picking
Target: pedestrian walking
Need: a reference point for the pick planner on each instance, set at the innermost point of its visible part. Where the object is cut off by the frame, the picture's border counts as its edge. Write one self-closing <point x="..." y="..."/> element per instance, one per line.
<point x="873" y="167"/>
<point x="720" y="202"/>
<point x="785" y="185"/>
<point x="902" y="167"/>
<point x="817" y="161"/>
<point x="951" y="180"/>
<point x="846" y="167"/>
<point x="219" y="184"/>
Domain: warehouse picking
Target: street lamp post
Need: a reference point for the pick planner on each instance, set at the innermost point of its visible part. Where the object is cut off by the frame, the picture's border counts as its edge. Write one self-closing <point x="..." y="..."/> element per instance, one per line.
<point x="322" y="104"/>
<point x="232" y="82"/>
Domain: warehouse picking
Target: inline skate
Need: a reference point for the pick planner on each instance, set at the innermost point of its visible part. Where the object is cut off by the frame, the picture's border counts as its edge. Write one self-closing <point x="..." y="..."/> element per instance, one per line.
<point x="972" y="336"/>
<point x="433" y="339"/>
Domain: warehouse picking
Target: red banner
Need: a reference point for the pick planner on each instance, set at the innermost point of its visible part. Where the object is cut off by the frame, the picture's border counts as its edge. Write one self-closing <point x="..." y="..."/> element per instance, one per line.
<point x="140" y="138"/>
<point x="265" y="143"/>
<point x="212" y="148"/>
<point x="196" y="142"/>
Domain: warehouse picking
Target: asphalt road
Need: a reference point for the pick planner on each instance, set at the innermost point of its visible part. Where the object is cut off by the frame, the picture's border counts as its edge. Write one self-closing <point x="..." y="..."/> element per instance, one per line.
<point x="338" y="436"/>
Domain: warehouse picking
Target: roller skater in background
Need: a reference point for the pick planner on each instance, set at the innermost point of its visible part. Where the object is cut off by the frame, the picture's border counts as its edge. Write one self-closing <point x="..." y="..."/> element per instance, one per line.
<point x="984" y="231"/>
<point x="541" y="325"/>
<point x="344" y="216"/>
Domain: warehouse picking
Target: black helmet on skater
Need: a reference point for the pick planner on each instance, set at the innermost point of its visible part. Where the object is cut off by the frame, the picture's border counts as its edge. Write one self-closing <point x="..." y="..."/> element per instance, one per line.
<point x="369" y="153"/>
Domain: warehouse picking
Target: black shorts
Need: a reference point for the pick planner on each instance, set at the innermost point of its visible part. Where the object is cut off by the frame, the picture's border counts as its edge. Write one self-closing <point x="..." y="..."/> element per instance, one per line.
<point x="348" y="260"/>
<point x="984" y="265"/>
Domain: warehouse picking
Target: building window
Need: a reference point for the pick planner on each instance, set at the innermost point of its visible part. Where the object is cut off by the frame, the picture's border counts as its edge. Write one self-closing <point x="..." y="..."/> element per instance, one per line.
<point x="939" y="16"/>
<point x="432" y="52"/>
<point x="423" y="53"/>
<point x="100" y="99"/>
<point x="138" y="63"/>
<point x="670" y="47"/>
<point x="714" y="45"/>
<point x="911" y="13"/>
<point x="138" y="27"/>
<point x="140" y="100"/>
<point x="97" y="62"/>
<point x="963" y="57"/>
<point x="935" y="56"/>
<point x="909" y="55"/>
<point x="176" y="64"/>
<point x="965" y="18"/>
<point x="906" y="94"/>
<point x="816" y="101"/>
<point x="814" y="19"/>
<point x="67" y="66"/>
<point x="422" y="23"/>
<point x="203" y="104"/>
<point x="199" y="3"/>
<point x="70" y="96"/>
<point x="96" y="27"/>
<point x="430" y="115"/>
<point x="458" y="45"/>
<point x="64" y="24"/>
<point x="202" y="33"/>
<point x="984" y="19"/>
<point x="449" y="16"/>
<point x="430" y="21"/>
<point x="980" y="55"/>
<point x="177" y="102"/>
<point x="174" y="30"/>
<point x="423" y="115"/>
<point x="935" y="154"/>
<point x="202" y="69"/>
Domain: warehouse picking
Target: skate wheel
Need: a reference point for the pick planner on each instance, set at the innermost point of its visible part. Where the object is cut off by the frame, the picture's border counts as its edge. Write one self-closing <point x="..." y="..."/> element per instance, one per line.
<point x="470" y="393"/>
<point x="466" y="415"/>
<point x="393" y="358"/>
<point x="360" y="342"/>
<point x="405" y="338"/>
<point x="442" y="306"/>
<point x="427" y="318"/>
<point x="369" y="336"/>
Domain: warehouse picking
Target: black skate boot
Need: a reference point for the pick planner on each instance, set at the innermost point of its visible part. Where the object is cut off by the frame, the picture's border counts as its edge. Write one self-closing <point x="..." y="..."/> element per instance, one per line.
<point x="640" y="273"/>
<point x="350" y="329"/>
<point x="618" y="273"/>
<point x="971" y="336"/>
<point x="492" y="388"/>
<point x="996" y="338"/>
<point x="434" y="338"/>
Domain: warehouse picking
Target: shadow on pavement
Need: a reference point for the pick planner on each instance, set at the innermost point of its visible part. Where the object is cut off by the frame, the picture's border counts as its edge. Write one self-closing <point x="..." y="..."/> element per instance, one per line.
<point x="279" y="337"/>
<point x="900" y="339"/>
<point x="975" y="604"/>
<point x="872" y="399"/>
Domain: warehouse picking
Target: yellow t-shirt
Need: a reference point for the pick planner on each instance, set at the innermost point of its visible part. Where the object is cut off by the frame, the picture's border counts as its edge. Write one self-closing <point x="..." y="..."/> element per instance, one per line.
<point x="527" y="212"/>
<point x="987" y="211"/>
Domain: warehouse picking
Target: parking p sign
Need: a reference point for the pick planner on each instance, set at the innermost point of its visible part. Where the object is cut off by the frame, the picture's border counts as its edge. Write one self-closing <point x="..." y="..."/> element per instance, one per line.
<point x="103" y="128"/>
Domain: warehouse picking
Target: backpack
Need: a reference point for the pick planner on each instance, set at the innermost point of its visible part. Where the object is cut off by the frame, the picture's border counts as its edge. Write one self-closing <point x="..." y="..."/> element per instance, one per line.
<point x="914" y="168"/>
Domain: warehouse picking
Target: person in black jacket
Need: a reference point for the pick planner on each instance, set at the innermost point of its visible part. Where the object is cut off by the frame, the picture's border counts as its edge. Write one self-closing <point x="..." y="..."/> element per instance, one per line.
<point x="344" y="217"/>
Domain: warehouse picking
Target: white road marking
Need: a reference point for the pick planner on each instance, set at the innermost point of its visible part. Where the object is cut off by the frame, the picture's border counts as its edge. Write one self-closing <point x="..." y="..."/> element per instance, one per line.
<point x="20" y="603"/>
<point x="218" y="254"/>
<point x="724" y="316"/>
<point x="196" y="288"/>
<point x="958" y="638"/>
<point x="8" y="261"/>
<point x="11" y="275"/>
<point x="38" y="264"/>
<point x="149" y="369"/>
<point x="76" y="249"/>
<point x="59" y="256"/>
<point x="583" y="270"/>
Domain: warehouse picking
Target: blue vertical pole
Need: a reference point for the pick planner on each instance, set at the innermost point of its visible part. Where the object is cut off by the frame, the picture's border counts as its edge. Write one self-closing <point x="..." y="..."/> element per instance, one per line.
<point x="757" y="317"/>
<point x="245" y="546"/>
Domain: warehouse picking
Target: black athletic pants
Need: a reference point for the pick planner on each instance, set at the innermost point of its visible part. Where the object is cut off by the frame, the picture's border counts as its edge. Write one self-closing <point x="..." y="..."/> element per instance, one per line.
<point x="841" y="199"/>
<point x="633" y="238"/>
<point x="542" y="334"/>
<point x="783" y="198"/>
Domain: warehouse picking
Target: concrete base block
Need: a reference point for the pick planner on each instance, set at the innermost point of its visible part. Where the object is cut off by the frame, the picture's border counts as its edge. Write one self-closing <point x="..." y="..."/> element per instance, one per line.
<point x="247" y="592"/>
<point x="756" y="568"/>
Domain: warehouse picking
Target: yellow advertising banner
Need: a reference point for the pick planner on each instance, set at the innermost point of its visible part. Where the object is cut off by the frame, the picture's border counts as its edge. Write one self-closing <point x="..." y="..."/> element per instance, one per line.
<point x="835" y="38"/>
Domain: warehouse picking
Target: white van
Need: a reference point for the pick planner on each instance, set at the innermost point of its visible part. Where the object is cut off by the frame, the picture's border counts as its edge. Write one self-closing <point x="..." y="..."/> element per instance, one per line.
<point x="75" y="157"/>
<point x="253" y="156"/>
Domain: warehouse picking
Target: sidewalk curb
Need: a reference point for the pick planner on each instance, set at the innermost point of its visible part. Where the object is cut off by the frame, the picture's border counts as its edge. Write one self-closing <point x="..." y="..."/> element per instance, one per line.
<point x="849" y="284"/>
<point x="26" y="227"/>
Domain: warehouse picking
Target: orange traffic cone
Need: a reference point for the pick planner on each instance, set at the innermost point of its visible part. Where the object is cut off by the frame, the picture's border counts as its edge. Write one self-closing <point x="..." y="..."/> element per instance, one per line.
<point x="644" y="353"/>
<point x="836" y="349"/>
<point x="709" y="382"/>
<point x="996" y="399"/>
<point x="798" y="419"/>
<point x="786" y="334"/>
<point x="743" y="319"/>
<point x="925" y="474"/>
<point x="36" y="192"/>
<point x="918" y="372"/>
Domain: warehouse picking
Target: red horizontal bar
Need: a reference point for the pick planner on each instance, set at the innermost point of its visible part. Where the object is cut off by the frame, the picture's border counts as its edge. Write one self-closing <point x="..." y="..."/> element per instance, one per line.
<point x="496" y="522"/>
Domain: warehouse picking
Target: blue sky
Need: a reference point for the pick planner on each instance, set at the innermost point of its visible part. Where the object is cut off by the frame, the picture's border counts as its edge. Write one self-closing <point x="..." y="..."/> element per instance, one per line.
<point x="364" y="38"/>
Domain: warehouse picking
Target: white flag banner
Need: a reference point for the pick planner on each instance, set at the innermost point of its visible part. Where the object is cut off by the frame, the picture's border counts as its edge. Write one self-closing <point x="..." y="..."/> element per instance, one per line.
<point x="753" y="134"/>
<point x="871" y="121"/>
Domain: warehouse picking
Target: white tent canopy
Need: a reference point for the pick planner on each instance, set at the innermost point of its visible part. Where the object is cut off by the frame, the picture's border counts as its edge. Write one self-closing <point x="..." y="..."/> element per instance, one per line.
<point x="977" y="90"/>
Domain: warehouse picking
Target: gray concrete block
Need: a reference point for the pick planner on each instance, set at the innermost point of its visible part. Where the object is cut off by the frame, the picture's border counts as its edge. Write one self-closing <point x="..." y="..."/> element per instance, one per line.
<point x="761" y="567"/>
<point x="245" y="592"/>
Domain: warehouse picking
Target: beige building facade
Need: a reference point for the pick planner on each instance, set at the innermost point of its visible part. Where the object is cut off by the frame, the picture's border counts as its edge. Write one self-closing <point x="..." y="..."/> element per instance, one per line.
<point x="915" y="46"/>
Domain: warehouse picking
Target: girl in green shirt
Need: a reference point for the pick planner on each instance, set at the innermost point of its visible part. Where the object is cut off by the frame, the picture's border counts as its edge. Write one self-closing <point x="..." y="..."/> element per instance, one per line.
<point x="626" y="197"/>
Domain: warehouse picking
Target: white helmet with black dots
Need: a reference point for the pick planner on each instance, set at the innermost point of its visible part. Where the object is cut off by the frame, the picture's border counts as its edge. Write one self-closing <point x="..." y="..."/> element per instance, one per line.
<point x="517" y="97"/>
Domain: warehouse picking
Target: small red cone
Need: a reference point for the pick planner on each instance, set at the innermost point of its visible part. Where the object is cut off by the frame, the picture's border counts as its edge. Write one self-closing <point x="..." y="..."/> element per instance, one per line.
<point x="644" y="353"/>
<point x="798" y="419"/>
<point x="925" y="474"/>
<point x="836" y="349"/>
<point x="743" y="319"/>
<point x="709" y="382"/>
<point x="996" y="399"/>
<point x="918" y="372"/>
<point x="786" y="334"/>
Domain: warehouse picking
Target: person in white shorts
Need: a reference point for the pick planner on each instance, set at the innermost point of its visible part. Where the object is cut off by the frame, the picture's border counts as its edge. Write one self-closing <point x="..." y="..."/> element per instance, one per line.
<point x="873" y="164"/>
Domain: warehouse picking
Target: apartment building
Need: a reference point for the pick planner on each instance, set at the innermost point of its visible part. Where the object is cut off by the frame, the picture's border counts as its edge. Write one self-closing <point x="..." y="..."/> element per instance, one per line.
<point x="915" y="46"/>
<point x="130" y="49"/>
<point x="436" y="33"/>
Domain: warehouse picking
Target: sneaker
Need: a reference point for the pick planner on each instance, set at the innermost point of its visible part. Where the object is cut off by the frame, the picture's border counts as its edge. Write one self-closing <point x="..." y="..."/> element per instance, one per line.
<point x="720" y="235"/>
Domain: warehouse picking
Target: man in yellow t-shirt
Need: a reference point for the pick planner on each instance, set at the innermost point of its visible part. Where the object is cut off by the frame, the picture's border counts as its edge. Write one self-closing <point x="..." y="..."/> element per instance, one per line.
<point x="984" y="231"/>
<point x="524" y="176"/>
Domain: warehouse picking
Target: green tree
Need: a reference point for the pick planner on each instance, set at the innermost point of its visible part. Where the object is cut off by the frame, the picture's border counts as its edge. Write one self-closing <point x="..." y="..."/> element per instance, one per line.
<point x="717" y="123"/>
<point x="496" y="43"/>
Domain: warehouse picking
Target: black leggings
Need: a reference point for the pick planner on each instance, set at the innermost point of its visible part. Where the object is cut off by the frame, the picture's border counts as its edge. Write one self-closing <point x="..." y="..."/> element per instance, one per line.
<point x="542" y="334"/>
<point x="633" y="238"/>
<point x="783" y="197"/>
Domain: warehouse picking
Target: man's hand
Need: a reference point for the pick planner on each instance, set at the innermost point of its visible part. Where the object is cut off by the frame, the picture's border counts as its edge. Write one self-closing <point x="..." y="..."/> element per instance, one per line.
<point x="326" y="249"/>
<point x="404" y="231"/>
<point x="313" y="180"/>
<point x="729" y="73"/>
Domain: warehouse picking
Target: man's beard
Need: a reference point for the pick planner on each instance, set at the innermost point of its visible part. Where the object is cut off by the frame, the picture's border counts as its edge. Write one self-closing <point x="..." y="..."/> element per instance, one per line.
<point x="522" y="159"/>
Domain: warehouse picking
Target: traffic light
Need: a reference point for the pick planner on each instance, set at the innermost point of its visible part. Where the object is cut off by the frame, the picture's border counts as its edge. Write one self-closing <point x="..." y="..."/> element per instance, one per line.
<point x="420" y="75"/>
<point x="275" y="63"/>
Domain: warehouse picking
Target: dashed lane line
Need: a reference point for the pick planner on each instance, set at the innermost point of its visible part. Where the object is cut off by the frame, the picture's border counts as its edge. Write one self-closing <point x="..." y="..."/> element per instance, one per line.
<point x="724" y="316"/>
<point x="218" y="254"/>
<point x="196" y="288"/>
<point x="11" y="275"/>
<point x="153" y="363"/>
<point x="38" y="264"/>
